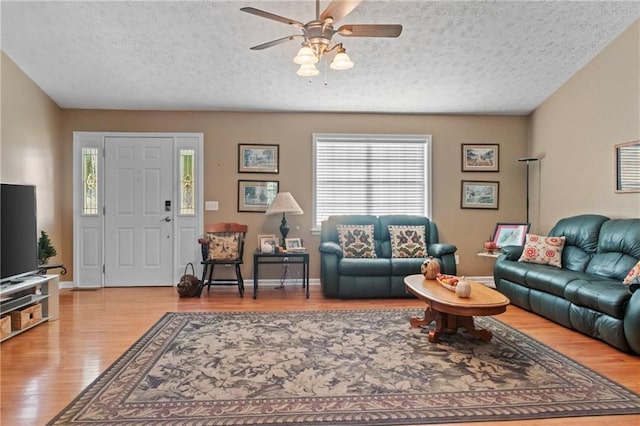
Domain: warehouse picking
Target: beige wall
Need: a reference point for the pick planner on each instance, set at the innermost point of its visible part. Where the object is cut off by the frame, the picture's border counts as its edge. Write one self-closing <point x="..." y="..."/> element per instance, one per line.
<point x="576" y="130"/>
<point x="30" y="147"/>
<point x="468" y="229"/>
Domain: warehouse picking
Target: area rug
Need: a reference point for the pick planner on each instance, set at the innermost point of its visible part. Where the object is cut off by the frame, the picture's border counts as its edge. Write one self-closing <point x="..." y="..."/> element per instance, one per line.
<point x="336" y="368"/>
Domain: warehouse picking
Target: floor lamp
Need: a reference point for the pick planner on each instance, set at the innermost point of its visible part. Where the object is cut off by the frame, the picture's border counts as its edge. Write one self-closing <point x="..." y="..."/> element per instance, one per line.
<point x="527" y="161"/>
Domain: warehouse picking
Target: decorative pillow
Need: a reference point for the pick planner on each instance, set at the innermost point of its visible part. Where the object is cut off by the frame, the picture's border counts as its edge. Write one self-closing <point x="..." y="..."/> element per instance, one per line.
<point x="407" y="241"/>
<point x="543" y="250"/>
<point x="633" y="273"/>
<point x="223" y="247"/>
<point x="357" y="240"/>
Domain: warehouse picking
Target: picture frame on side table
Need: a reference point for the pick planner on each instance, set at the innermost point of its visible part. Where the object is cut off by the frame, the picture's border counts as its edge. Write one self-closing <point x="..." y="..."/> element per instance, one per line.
<point x="255" y="196"/>
<point x="271" y="241"/>
<point x="258" y="158"/>
<point x="479" y="194"/>
<point x="261" y="236"/>
<point x="510" y="234"/>
<point x="480" y="157"/>
<point x="293" y="244"/>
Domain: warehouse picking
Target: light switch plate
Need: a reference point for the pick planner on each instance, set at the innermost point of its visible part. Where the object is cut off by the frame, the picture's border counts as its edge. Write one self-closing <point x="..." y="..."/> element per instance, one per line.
<point x="211" y="205"/>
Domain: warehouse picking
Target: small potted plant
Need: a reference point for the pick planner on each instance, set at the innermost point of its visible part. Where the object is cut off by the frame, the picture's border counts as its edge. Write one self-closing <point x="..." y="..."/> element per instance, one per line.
<point x="45" y="248"/>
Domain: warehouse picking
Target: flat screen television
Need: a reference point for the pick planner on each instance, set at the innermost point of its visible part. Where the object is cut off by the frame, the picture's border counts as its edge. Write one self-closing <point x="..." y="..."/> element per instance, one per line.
<point x="18" y="231"/>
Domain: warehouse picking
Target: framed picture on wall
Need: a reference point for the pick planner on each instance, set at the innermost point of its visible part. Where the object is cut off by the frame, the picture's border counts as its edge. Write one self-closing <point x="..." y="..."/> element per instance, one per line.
<point x="510" y="234"/>
<point x="480" y="158"/>
<point x="256" y="195"/>
<point x="258" y="158"/>
<point x="479" y="194"/>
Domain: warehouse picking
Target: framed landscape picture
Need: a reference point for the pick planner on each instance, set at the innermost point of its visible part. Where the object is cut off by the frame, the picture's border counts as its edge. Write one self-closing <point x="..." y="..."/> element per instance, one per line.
<point x="258" y="158"/>
<point x="480" y="158"/>
<point x="510" y="234"/>
<point x="479" y="194"/>
<point x="256" y="195"/>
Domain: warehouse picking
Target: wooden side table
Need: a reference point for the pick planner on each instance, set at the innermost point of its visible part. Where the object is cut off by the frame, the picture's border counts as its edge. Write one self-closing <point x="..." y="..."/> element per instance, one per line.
<point x="282" y="259"/>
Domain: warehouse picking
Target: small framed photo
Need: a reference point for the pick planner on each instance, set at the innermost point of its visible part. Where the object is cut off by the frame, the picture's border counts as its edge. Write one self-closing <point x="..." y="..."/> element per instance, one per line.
<point x="256" y="195"/>
<point x="510" y="234"/>
<point x="293" y="243"/>
<point x="480" y="158"/>
<point x="269" y="241"/>
<point x="258" y="158"/>
<point x="479" y="194"/>
<point x="261" y="236"/>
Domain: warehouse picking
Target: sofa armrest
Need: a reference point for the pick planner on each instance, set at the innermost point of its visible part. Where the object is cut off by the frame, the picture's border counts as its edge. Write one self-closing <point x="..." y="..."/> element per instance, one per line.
<point x="440" y="249"/>
<point x="632" y="322"/>
<point x="512" y="252"/>
<point x="329" y="247"/>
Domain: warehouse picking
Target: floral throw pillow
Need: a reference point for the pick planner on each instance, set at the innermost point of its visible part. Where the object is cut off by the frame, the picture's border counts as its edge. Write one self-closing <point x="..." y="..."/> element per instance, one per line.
<point x="543" y="250"/>
<point x="357" y="240"/>
<point x="633" y="273"/>
<point x="407" y="241"/>
<point x="223" y="247"/>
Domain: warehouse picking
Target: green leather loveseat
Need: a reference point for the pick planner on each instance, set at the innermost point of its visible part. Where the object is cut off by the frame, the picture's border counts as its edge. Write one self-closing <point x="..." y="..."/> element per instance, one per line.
<point x="587" y="292"/>
<point x="382" y="276"/>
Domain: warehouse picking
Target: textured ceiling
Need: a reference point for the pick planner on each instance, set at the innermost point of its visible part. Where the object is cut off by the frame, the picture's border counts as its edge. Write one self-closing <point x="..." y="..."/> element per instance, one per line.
<point x="452" y="57"/>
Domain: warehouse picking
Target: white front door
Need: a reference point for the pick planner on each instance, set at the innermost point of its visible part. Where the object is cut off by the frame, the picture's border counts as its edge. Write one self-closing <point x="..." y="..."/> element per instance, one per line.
<point x="138" y="212"/>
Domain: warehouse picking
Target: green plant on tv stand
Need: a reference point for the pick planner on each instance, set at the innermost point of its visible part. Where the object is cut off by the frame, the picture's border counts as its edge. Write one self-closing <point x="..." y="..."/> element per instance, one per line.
<point x="45" y="248"/>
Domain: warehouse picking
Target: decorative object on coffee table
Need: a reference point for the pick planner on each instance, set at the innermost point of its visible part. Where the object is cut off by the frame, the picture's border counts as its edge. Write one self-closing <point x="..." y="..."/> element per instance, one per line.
<point x="430" y="268"/>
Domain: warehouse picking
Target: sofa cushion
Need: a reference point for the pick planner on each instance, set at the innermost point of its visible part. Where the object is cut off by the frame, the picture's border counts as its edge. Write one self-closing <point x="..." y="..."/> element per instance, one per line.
<point x="407" y="241"/>
<point x="431" y="231"/>
<point x="607" y="296"/>
<point x="612" y="265"/>
<point x="618" y="249"/>
<point x="551" y="279"/>
<point x="364" y="267"/>
<point x="406" y="266"/>
<point x="357" y="240"/>
<point x="223" y="247"/>
<point x="581" y="233"/>
<point x="543" y="250"/>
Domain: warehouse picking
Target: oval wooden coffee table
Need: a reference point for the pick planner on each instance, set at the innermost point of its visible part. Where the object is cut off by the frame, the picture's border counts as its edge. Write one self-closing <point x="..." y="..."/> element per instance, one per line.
<point x="452" y="312"/>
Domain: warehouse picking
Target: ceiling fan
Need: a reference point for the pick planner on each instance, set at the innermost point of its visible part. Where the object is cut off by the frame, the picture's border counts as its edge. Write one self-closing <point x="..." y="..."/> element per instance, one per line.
<point x="317" y="35"/>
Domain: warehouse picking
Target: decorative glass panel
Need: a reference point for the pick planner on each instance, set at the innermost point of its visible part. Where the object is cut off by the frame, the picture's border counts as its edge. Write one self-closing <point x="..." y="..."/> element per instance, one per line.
<point x="187" y="189"/>
<point x="90" y="181"/>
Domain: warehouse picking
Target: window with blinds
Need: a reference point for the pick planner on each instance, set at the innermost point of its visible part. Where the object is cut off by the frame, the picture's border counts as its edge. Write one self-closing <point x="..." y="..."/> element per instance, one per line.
<point x="371" y="174"/>
<point x="628" y="167"/>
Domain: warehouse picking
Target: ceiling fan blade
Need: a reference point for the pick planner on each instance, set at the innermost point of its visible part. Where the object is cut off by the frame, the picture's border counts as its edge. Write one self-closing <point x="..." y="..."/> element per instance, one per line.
<point x="272" y="16"/>
<point x="338" y="9"/>
<point x="373" y="30"/>
<point x="276" y="42"/>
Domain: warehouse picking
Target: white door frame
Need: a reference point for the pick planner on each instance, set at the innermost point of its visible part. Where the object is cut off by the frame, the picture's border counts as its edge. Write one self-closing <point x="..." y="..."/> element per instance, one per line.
<point x="88" y="230"/>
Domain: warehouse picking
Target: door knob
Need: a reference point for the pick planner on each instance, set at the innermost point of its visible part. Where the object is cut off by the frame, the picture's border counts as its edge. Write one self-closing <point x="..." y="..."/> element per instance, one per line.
<point x="167" y="219"/>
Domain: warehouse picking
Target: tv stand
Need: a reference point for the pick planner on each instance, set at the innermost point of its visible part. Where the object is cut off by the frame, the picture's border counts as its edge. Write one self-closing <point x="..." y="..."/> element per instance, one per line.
<point x="46" y="293"/>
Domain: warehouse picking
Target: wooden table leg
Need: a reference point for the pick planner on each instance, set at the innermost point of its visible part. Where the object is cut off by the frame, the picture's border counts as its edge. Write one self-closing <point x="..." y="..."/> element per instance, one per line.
<point x="478" y="333"/>
<point x="428" y="317"/>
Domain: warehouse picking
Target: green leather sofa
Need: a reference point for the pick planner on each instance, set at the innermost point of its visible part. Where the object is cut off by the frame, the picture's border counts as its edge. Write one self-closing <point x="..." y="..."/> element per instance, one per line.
<point x="379" y="277"/>
<point x="587" y="293"/>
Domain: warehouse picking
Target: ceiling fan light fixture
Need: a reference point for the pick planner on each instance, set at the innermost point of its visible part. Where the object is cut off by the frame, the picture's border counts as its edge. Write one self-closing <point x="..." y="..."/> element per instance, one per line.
<point x="341" y="61"/>
<point x="306" y="56"/>
<point x="307" y="70"/>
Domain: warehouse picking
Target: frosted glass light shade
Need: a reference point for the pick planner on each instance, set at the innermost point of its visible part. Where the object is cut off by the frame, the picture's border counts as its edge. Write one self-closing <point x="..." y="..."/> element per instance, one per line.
<point x="305" y="56"/>
<point x="307" y="70"/>
<point x="341" y="62"/>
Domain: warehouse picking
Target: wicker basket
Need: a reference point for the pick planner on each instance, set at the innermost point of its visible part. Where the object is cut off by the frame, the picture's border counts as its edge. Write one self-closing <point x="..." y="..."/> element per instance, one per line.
<point x="26" y="317"/>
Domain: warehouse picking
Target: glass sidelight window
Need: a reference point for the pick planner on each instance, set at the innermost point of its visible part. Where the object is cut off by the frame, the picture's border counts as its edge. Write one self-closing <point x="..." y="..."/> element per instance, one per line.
<point x="187" y="189"/>
<point x="90" y="181"/>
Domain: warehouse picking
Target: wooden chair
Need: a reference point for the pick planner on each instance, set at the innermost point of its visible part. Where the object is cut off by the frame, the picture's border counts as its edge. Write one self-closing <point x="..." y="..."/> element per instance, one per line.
<point x="223" y="245"/>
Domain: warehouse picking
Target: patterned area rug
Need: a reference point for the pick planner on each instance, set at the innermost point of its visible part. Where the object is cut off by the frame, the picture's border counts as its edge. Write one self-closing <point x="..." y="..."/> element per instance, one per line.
<point x="336" y="368"/>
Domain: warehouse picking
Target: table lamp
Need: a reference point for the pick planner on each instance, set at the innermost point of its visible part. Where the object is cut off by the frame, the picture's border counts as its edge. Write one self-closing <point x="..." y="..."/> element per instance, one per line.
<point x="284" y="203"/>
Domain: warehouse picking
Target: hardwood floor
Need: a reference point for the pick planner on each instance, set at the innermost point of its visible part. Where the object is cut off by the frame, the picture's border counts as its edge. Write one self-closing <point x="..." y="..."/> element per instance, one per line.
<point x="46" y="367"/>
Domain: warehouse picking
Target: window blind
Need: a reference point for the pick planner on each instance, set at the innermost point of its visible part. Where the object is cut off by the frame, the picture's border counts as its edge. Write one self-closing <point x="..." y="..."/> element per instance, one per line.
<point x="371" y="174"/>
<point x="628" y="167"/>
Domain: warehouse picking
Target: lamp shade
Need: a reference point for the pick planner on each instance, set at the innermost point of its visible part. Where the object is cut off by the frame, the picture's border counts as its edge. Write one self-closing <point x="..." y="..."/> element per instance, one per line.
<point x="307" y="70"/>
<point x="305" y="56"/>
<point x="341" y="62"/>
<point x="284" y="203"/>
